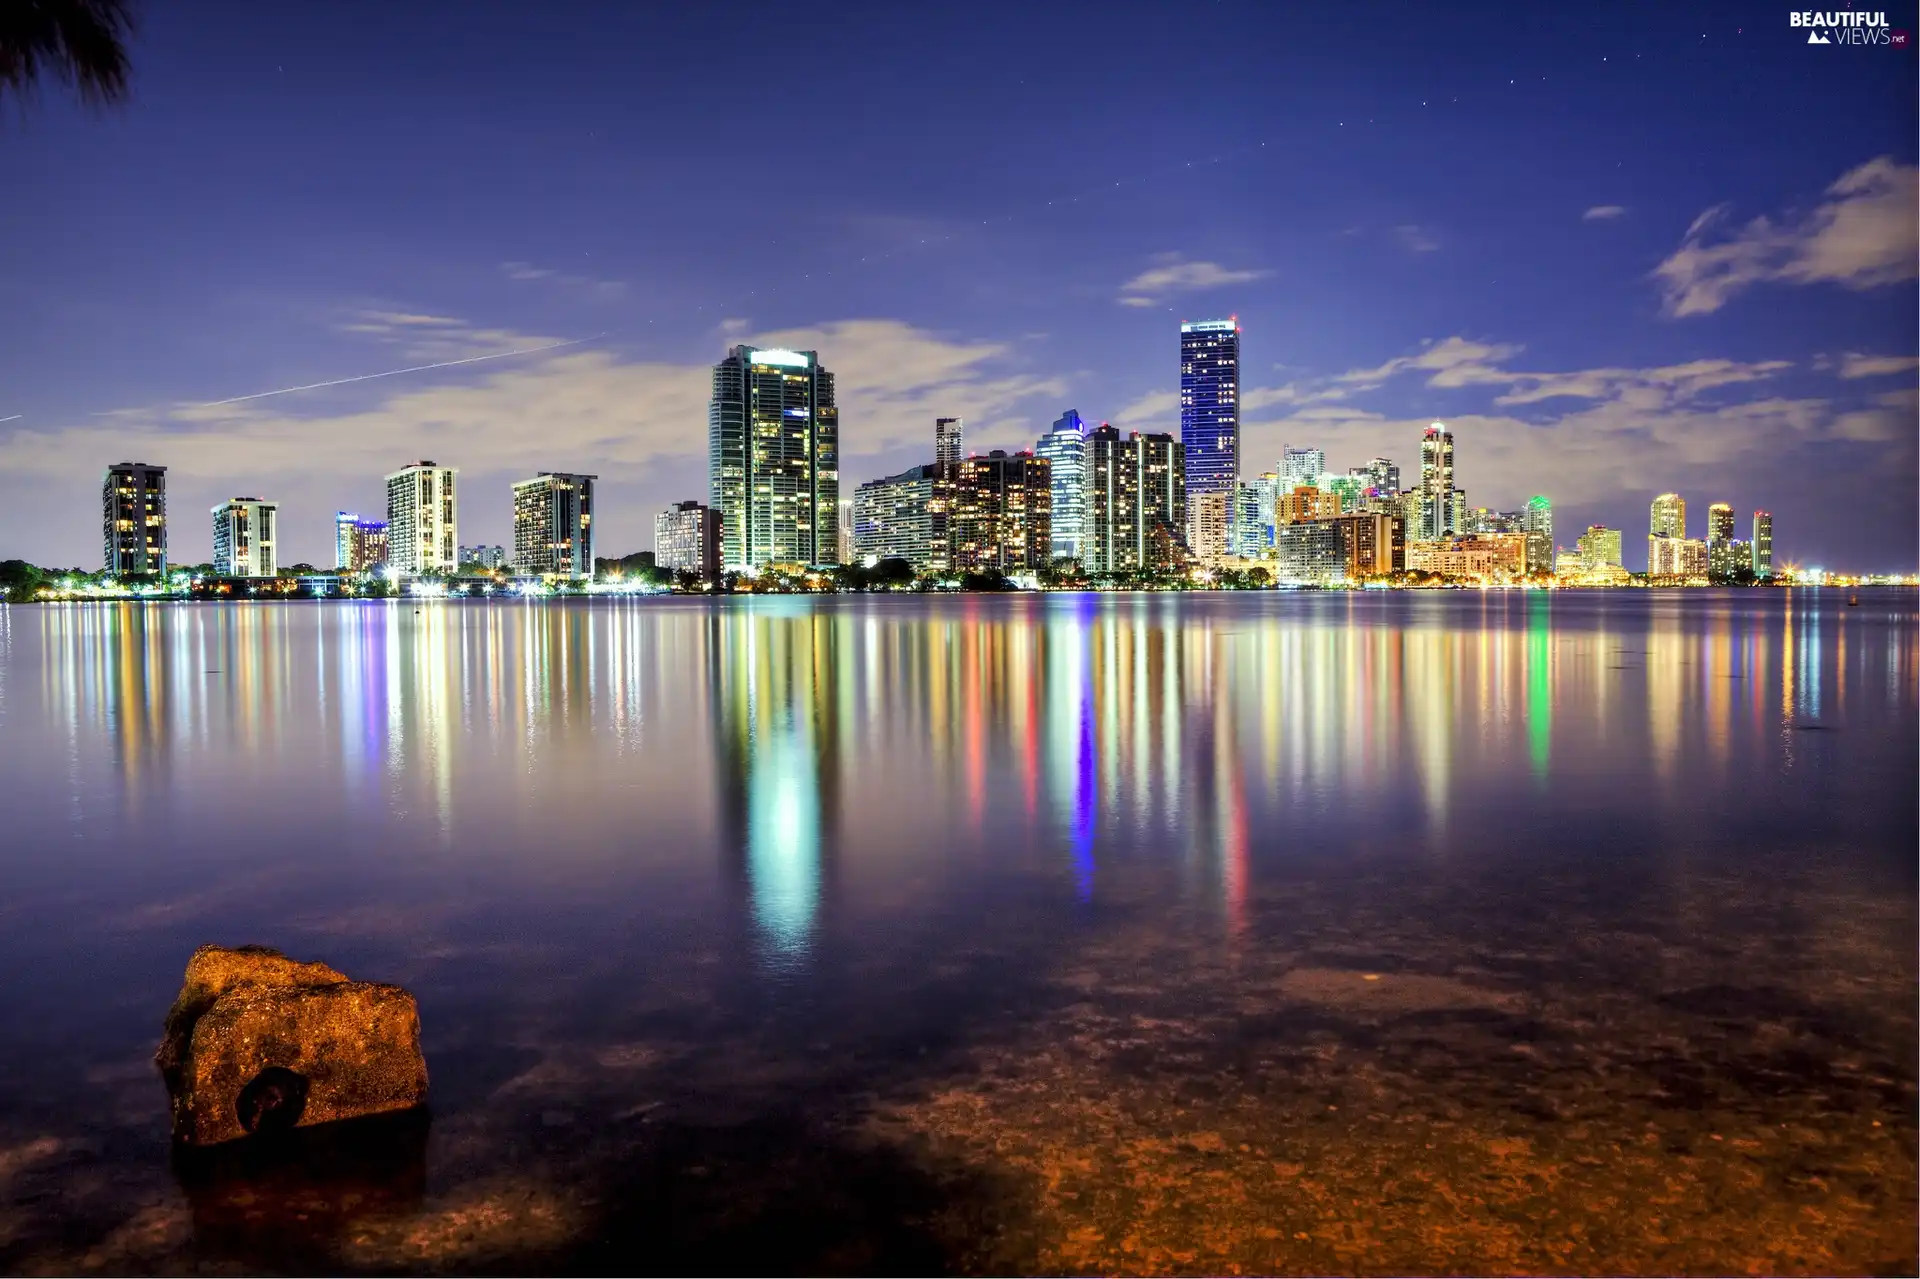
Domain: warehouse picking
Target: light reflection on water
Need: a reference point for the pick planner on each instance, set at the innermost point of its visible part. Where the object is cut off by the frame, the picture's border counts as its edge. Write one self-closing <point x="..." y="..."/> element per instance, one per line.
<point x="792" y="818"/>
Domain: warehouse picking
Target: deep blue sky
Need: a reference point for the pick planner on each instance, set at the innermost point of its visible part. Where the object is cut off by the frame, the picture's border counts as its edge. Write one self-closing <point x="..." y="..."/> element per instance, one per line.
<point x="1481" y="214"/>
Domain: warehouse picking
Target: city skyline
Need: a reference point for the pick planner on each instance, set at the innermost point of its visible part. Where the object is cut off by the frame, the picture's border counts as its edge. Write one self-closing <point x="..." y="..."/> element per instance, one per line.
<point x="1729" y="313"/>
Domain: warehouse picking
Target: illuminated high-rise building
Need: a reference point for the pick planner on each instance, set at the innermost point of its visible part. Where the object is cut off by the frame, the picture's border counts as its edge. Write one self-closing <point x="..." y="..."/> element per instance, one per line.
<point x="422" y="519"/>
<point x="1669" y="517"/>
<point x="904" y="517"/>
<point x="358" y="545"/>
<point x="1136" y="502"/>
<point x="553" y="525"/>
<point x="1065" y="449"/>
<point x="686" y="539"/>
<point x="1725" y="556"/>
<point x="1302" y="466"/>
<point x="1383" y="476"/>
<point x="845" y="540"/>
<point x="1210" y="405"/>
<point x="133" y="518"/>
<point x="1439" y="499"/>
<point x="1537" y="523"/>
<point x="946" y="443"/>
<point x="1762" y="544"/>
<point x="244" y="537"/>
<point x="1600" y="547"/>
<point x="1001" y="516"/>
<point x="773" y="458"/>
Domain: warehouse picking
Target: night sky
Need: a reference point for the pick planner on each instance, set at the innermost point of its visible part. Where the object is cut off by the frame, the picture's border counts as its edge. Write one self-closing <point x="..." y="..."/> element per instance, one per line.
<point x="1620" y="249"/>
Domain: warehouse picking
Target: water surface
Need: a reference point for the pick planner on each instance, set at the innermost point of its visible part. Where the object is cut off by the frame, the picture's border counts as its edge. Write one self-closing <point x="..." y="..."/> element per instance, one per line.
<point x="1372" y="932"/>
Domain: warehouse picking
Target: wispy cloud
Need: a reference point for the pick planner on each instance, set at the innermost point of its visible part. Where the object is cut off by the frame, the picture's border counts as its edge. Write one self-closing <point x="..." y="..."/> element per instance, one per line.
<point x="1604" y="213"/>
<point x="1415" y="239"/>
<point x="1853" y="365"/>
<point x="1173" y="274"/>
<point x="596" y="289"/>
<point x="1861" y="236"/>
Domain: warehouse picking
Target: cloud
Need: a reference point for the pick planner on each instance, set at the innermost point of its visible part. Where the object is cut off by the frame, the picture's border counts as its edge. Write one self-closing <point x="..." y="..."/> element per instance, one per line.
<point x="425" y="338"/>
<point x="1415" y="240"/>
<point x="1858" y="366"/>
<point x="1603" y="213"/>
<point x="584" y="285"/>
<point x="1455" y="362"/>
<point x="1172" y="274"/>
<point x="1862" y="236"/>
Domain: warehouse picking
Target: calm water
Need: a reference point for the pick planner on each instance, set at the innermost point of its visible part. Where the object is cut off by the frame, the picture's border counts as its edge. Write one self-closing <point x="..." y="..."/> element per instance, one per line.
<point x="1373" y="932"/>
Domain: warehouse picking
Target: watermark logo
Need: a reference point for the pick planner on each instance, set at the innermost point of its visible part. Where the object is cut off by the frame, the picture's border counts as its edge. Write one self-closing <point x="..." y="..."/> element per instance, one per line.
<point x="1847" y="27"/>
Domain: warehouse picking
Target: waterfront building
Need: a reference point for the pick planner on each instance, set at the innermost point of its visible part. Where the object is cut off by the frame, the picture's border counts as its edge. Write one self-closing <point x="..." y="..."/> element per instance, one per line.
<point x="904" y="517"/>
<point x="1136" y="502"/>
<point x="1210" y="405"/>
<point x="553" y="525"/>
<point x="1001" y="513"/>
<point x="1669" y="517"/>
<point x="1724" y="558"/>
<point x="1309" y="551"/>
<point x="1210" y="527"/>
<point x="244" y="538"/>
<point x="1065" y="450"/>
<point x="1537" y="523"/>
<point x="1600" y="547"/>
<point x="133" y="519"/>
<point x="773" y="458"/>
<point x="1439" y="500"/>
<point x="1251" y="530"/>
<point x="358" y="545"/>
<point x="1487" y="556"/>
<point x="1762" y="544"/>
<point x="686" y="539"/>
<point x="422" y="519"/>
<point x="946" y="442"/>
<point x="490" y="559"/>
<point x="844" y="541"/>
<point x="1677" y="558"/>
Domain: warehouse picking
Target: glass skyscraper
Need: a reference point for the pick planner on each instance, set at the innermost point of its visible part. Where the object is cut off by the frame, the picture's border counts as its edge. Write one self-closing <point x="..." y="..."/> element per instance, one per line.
<point x="1065" y="448"/>
<point x="1210" y="405"/>
<point x="1439" y="499"/>
<point x="773" y="458"/>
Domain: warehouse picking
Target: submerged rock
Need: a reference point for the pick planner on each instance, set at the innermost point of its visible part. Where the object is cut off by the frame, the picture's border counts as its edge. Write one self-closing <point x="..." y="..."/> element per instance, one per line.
<point x="259" y="1043"/>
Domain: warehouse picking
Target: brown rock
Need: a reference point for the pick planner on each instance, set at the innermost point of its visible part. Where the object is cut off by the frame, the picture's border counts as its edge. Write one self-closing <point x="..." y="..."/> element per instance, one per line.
<point x="257" y="1042"/>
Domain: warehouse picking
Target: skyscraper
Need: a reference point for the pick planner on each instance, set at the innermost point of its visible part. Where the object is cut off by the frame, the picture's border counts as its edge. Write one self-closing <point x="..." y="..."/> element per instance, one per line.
<point x="686" y="539"/>
<point x="553" y="525"/>
<point x="422" y="528"/>
<point x="773" y="458"/>
<point x="1136" y="502"/>
<point x="244" y="537"/>
<point x="133" y="518"/>
<point x="1719" y="523"/>
<point x="358" y="545"/>
<point x="1065" y="449"/>
<point x="1537" y="523"/>
<point x="1600" y="547"/>
<point x="1724" y="558"/>
<point x="1002" y="513"/>
<point x="1210" y="404"/>
<point x="1762" y="544"/>
<point x="844" y="542"/>
<point x="1669" y="516"/>
<point x="1439" y="510"/>
<point x="904" y="517"/>
<point x="946" y="443"/>
<point x="1302" y="466"/>
<point x="1383" y="476"/>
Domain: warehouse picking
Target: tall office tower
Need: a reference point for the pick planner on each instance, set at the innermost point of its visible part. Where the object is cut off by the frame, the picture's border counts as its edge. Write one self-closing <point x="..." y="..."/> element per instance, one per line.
<point x="133" y="518"/>
<point x="1210" y="405"/>
<point x="946" y="442"/>
<point x="1248" y="537"/>
<point x="903" y="517"/>
<point x="1136" y="502"/>
<point x="1537" y="524"/>
<point x="1065" y="448"/>
<point x="1439" y="514"/>
<point x="422" y="530"/>
<point x="358" y="545"/>
<point x="553" y="524"/>
<point x="844" y="541"/>
<point x="1002" y="513"/>
<point x="1383" y="476"/>
<point x="244" y="537"/>
<point x="1600" y="547"/>
<point x="773" y="458"/>
<point x="1723" y="554"/>
<point x="1302" y="466"/>
<point x="1669" y="516"/>
<point x="1762" y="544"/>
<point x="686" y="539"/>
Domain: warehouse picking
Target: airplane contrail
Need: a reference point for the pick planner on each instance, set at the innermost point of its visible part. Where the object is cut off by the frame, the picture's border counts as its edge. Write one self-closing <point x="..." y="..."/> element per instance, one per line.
<point x="15" y="418"/>
<point x="366" y="377"/>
